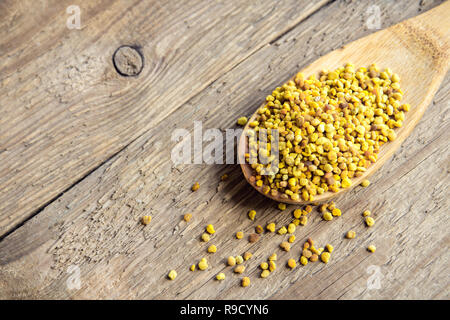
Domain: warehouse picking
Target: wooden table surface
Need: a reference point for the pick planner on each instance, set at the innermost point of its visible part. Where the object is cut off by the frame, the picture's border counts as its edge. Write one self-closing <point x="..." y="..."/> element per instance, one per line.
<point x="86" y="152"/>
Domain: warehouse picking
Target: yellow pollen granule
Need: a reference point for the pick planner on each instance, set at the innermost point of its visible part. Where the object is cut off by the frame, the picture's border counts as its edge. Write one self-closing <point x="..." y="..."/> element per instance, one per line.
<point x="291" y="263"/>
<point x="291" y="228"/>
<point x="203" y="264"/>
<point x="205" y="237"/>
<point x="172" y="275"/>
<point x="370" y="221"/>
<point x="327" y="216"/>
<point x="303" y="260"/>
<point x="195" y="186"/>
<point x="351" y="234"/>
<point x="245" y="281"/>
<point x="271" y="227"/>
<point x="265" y="273"/>
<point x="242" y="121"/>
<point x="210" y="229"/>
<point x="282" y="230"/>
<point x="220" y="276"/>
<point x="146" y="220"/>
<point x="325" y="257"/>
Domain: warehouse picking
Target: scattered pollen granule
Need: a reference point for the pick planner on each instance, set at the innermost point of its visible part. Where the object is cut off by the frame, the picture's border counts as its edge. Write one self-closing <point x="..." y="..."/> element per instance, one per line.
<point x="303" y="260"/>
<point x="291" y="228"/>
<point x="245" y="281"/>
<point x="351" y="234"/>
<point x="253" y="237"/>
<point x="252" y="214"/>
<point x="210" y="229"/>
<point x="231" y="261"/>
<point x="205" y="237"/>
<point x="242" y="121"/>
<point x="365" y="183"/>
<point x="282" y="230"/>
<point x="325" y="257"/>
<point x="272" y="266"/>
<point x="259" y="229"/>
<point x="291" y="263"/>
<point x="146" y="220"/>
<point x="370" y="221"/>
<point x="285" y="246"/>
<point x="220" y="276"/>
<point x="172" y="275"/>
<point x="195" y="186"/>
<point x="265" y="273"/>
<point x="203" y="264"/>
<point x="271" y="227"/>
<point x="327" y="216"/>
<point x="329" y="247"/>
<point x="239" y="269"/>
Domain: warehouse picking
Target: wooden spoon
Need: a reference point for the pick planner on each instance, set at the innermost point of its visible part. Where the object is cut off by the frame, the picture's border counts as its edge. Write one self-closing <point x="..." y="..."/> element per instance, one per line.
<point x="416" y="49"/>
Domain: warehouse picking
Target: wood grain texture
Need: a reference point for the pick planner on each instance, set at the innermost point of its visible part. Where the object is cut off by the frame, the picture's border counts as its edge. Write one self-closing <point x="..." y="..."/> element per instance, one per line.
<point x="65" y="110"/>
<point x="95" y="225"/>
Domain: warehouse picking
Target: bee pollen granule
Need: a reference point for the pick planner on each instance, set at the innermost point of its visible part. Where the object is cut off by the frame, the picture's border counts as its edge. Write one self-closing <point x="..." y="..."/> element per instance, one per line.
<point x="370" y="221"/>
<point x="231" y="261"/>
<point x="210" y="229"/>
<point x="146" y="220"/>
<point x="195" y="186"/>
<point x="245" y="281"/>
<point x="325" y="257"/>
<point x="172" y="275"/>
<point x="351" y="234"/>
<point x="291" y="263"/>
<point x="203" y="264"/>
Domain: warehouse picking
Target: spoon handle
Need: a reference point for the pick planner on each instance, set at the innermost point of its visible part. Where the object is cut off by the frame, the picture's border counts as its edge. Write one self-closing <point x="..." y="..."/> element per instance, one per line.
<point x="430" y="32"/>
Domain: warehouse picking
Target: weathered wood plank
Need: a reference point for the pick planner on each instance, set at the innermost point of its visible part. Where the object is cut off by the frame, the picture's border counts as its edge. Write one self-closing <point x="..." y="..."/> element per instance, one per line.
<point x="95" y="226"/>
<point x="65" y="110"/>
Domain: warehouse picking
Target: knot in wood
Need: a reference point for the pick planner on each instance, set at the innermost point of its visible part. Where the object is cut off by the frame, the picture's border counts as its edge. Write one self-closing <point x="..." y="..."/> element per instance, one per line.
<point x="128" y="61"/>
